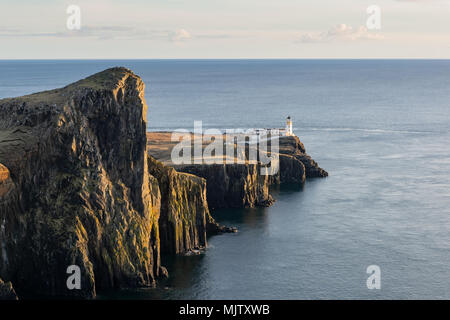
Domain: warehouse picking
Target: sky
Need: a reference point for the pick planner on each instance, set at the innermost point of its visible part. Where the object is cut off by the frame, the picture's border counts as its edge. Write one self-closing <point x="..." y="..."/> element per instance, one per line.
<point x="224" y="29"/>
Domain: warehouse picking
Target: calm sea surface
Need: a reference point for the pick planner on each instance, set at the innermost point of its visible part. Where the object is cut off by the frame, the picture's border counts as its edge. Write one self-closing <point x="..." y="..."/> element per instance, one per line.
<point x="380" y="128"/>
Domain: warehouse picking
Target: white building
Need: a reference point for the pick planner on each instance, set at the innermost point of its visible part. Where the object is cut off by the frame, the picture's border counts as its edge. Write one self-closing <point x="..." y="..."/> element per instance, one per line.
<point x="289" y="126"/>
<point x="287" y="131"/>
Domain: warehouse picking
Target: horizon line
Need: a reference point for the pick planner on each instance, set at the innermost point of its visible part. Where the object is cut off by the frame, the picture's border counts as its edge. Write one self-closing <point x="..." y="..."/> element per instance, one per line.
<point x="193" y="59"/>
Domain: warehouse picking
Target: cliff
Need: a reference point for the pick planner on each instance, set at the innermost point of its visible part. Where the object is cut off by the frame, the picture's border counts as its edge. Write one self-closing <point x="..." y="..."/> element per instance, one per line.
<point x="185" y="219"/>
<point x="79" y="192"/>
<point x="292" y="146"/>
<point x="241" y="184"/>
<point x="233" y="185"/>
<point x="76" y="188"/>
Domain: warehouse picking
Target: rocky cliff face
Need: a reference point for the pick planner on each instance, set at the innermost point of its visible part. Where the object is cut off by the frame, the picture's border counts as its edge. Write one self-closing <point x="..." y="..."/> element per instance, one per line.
<point x="292" y="146"/>
<point x="79" y="192"/>
<point x="233" y="185"/>
<point x="291" y="171"/>
<point x="75" y="189"/>
<point x="185" y="218"/>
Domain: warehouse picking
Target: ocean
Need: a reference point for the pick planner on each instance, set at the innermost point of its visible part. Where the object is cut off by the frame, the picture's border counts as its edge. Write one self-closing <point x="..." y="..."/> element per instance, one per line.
<point x="381" y="128"/>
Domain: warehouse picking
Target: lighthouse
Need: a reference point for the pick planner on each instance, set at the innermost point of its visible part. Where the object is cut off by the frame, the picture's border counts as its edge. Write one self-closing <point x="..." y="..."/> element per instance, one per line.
<point x="289" y="126"/>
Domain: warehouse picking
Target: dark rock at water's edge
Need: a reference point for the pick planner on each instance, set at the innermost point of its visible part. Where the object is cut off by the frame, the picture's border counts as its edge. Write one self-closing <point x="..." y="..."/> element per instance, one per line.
<point x="76" y="188"/>
<point x="291" y="146"/>
<point x="7" y="291"/>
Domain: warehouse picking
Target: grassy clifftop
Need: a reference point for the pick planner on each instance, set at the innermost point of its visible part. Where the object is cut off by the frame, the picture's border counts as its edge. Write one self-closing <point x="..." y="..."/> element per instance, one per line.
<point x="109" y="79"/>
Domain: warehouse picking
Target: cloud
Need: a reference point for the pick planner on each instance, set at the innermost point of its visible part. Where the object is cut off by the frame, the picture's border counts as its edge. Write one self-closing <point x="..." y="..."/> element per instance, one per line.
<point x="181" y="35"/>
<point x="103" y="33"/>
<point x="219" y="36"/>
<point x="340" y="32"/>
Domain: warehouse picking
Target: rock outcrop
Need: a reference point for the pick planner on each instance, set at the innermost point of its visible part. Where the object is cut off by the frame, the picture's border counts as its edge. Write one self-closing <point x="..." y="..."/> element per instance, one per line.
<point x="293" y="147"/>
<point x="75" y="189"/>
<point x="241" y="184"/>
<point x="7" y="291"/>
<point x="292" y="170"/>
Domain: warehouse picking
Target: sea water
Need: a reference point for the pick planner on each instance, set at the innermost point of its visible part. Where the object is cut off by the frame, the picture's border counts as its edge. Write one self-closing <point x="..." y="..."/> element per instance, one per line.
<point x="381" y="128"/>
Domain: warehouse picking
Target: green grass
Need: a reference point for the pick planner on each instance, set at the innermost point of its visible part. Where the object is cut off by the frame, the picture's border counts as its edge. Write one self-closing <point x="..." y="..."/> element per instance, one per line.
<point x="103" y="80"/>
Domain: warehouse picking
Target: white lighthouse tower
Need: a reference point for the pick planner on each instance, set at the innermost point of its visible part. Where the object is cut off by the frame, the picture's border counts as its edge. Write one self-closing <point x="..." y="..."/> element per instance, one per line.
<point x="289" y="126"/>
